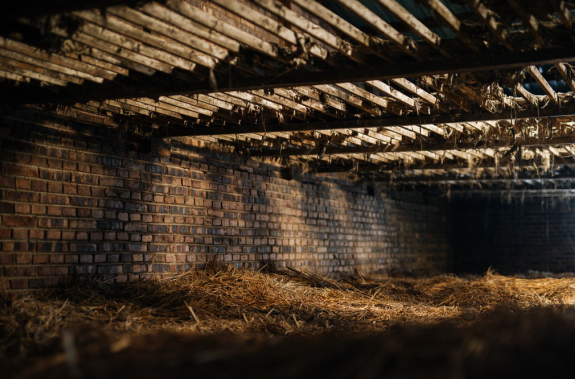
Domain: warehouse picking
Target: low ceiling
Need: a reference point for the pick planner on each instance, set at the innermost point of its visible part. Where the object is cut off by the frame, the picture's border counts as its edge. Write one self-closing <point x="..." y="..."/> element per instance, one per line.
<point x="409" y="93"/>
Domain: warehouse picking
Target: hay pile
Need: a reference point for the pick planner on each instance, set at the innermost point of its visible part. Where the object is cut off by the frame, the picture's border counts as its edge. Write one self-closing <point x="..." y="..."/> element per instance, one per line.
<point x="257" y="305"/>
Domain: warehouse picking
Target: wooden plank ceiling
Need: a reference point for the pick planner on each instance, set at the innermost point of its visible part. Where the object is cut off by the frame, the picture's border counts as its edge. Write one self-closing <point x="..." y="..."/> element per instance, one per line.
<point x="409" y="93"/>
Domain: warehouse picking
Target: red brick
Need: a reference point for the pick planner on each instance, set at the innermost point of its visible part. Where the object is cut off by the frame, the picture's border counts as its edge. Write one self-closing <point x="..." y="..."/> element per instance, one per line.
<point x="69" y="212"/>
<point x="7" y="258"/>
<point x="8" y="182"/>
<point x="20" y="221"/>
<point x="55" y="163"/>
<point x="38" y="209"/>
<point x="53" y="234"/>
<point x="24" y="258"/>
<point x="84" y="212"/>
<point x="56" y="258"/>
<point x="6" y="207"/>
<point x="20" y="170"/>
<point x="19" y="284"/>
<point x="70" y="189"/>
<point x="24" y="184"/>
<point x="55" y="187"/>
<point x="84" y="190"/>
<point x="21" y="234"/>
<point x="71" y="258"/>
<point x="40" y="258"/>
<point x="37" y="234"/>
<point x="22" y="208"/>
<point x="54" y="211"/>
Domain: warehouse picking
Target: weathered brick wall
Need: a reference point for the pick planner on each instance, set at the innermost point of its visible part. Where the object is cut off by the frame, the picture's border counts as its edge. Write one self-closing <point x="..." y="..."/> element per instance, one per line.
<point x="79" y="201"/>
<point x="533" y="234"/>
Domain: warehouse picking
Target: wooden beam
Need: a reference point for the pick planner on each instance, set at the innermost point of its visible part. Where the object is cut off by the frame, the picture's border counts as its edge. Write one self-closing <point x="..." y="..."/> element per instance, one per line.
<point x="563" y="13"/>
<point x="391" y="92"/>
<point x="390" y="122"/>
<point x="409" y="86"/>
<point x="381" y="26"/>
<point x="311" y="29"/>
<point x="535" y="74"/>
<point x="414" y="24"/>
<point x="562" y="69"/>
<point x="426" y="166"/>
<point x="494" y="26"/>
<point x="437" y="147"/>
<point x="196" y="29"/>
<point x="451" y="21"/>
<point x="161" y="27"/>
<point x="293" y="78"/>
<point x="528" y="20"/>
<point x="212" y="22"/>
<point x="462" y="179"/>
<point x="374" y="44"/>
<point x="270" y="25"/>
<point x="531" y="99"/>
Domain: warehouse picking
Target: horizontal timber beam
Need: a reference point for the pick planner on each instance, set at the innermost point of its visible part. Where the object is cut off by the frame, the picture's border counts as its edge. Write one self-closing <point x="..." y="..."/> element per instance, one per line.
<point x="330" y="150"/>
<point x="551" y="111"/>
<point x="463" y="179"/>
<point x="383" y="168"/>
<point x="294" y="78"/>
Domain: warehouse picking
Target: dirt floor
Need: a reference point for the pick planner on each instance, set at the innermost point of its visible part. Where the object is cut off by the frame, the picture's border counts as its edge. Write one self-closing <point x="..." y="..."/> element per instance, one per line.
<point x="223" y="322"/>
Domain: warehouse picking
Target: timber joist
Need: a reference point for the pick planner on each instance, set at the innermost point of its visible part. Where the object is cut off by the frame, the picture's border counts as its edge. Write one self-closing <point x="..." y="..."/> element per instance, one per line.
<point x="340" y="86"/>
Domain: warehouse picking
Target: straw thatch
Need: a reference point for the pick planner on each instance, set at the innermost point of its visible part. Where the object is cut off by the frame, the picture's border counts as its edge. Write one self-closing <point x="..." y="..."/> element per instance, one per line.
<point x="255" y="305"/>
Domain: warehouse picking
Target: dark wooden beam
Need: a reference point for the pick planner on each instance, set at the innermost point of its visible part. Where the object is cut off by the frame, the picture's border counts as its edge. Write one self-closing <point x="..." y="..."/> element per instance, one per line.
<point x="365" y="168"/>
<point x="551" y="111"/>
<point x="461" y="179"/>
<point x="331" y="150"/>
<point x="293" y="78"/>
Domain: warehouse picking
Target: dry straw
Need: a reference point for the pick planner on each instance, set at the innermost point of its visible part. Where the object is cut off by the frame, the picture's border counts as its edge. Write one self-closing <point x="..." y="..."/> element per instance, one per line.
<point x="261" y="304"/>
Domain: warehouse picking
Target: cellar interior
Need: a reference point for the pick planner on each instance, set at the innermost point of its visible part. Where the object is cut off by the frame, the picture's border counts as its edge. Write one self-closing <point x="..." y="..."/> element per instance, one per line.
<point x="287" y="188"/>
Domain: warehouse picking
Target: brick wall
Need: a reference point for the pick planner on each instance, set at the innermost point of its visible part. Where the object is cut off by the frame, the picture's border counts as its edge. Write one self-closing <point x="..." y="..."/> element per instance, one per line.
<point x="79" y="201"/>
<point x="514" y="237"/>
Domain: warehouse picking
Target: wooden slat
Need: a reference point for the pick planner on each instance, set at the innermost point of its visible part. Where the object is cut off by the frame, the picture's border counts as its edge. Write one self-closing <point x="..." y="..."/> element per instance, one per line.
<point x="122" y="63"/>
<point x="183" y="38"/>
<point x="32" y="73"/>
<point x="414" y="24"/>
<point x="228" y="30"/>
<point x="310" y="28"/>
<point x="438" y="148"/>
<point x="335" y="21"/>
<point x="389" y="91"/>
<point x="562" y="69"/>
<point x="9" y="75"/>
<point x="40" y="70"/>
<point x="528" y="20"/>
<point x="381" y="26"/>
<point x="377" y="100"/>
<point x="197" y="29"/>
<point x="496" y="28"/>
<point x="551" y="111"/>
<point x="349" y="99"/>
<point x="451" y="21"/>
<point x="302" y="77"/>
<point x="54" y="61"/>
<point x="409" y="86"/>
<point x="270" y="25"/>
<point x="526" y="95"/>
<point x="115" y="31"/>
<point x="535" y="74"/>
